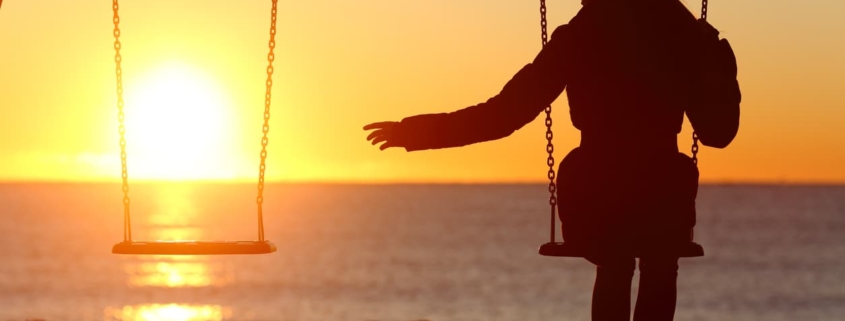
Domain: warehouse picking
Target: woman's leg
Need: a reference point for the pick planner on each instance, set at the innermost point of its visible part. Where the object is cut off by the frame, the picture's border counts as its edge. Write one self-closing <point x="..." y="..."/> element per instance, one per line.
<point x="612" y="291"/>
<point x="657" y="289"/>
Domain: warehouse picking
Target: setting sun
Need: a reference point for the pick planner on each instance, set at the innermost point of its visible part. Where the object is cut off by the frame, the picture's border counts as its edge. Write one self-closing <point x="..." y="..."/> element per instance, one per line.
<point x="178" y="126"/>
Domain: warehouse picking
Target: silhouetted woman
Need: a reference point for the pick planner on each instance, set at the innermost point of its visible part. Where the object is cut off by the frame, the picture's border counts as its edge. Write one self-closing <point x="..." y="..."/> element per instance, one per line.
<point x="631" y="70"/>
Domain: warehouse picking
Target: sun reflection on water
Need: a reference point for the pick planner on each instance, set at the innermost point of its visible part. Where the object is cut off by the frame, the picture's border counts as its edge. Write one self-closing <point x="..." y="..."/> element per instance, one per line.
<point x="176" y="274"/>
<point x="174" y="206"/>
<point x="168" y="312"/>
<point x="174" y="217"/>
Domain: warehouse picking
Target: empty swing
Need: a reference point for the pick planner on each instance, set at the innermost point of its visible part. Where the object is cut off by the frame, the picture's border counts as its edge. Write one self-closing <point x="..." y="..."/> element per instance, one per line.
<point x="128" y="246"/>
<point x="563" y="249"/>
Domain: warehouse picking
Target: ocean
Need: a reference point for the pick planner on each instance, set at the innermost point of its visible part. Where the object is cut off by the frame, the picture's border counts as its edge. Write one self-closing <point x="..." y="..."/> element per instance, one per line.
<point x="394" y="252"/>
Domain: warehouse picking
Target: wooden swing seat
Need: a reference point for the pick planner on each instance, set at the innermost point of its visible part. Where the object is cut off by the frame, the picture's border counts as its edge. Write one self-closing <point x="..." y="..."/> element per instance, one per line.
<point x="194" y="247"/>
<point x="563" y="249"/>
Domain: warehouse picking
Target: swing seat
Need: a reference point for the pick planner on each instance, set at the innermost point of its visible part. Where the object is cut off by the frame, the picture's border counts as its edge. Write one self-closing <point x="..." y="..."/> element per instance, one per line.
<point x="194" y="247"/>
<point x="563" y="249"/>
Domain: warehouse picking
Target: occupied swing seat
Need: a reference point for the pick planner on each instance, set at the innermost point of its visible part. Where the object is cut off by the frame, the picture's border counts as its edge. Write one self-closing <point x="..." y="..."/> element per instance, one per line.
<point x="664" y="187"/>
<point x="563" y="249"/>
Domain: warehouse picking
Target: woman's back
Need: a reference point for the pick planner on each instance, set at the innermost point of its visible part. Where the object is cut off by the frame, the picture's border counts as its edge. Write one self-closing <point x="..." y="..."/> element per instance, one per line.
<point x="633" y="69"/>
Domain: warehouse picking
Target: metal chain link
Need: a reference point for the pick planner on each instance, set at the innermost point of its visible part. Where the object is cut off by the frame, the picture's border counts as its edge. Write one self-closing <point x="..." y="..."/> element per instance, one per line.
<point x="694" y="134"/>
<point x="694" y="148"/>
<point x="550" y="147"/>
<point x="127" y="227"/>
<point x="266" y="128"/>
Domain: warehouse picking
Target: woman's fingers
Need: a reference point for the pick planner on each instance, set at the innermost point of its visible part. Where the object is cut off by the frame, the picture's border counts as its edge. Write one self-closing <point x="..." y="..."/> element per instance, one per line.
<point x="379" y="139"/>
<point x="376" y="133"/>
<point x="380" y="125"/>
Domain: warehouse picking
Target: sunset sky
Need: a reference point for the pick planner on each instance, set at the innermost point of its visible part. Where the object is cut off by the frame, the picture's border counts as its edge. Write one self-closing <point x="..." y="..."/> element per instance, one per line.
<point x="194" y="80"/>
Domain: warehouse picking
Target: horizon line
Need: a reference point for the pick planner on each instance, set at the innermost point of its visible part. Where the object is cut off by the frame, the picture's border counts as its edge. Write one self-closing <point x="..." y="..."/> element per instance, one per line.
<point x="390" y="182"/>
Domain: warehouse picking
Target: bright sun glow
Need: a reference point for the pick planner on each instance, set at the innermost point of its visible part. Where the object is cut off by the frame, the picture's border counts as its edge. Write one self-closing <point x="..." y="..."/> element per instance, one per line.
<point x="179" y="126"/>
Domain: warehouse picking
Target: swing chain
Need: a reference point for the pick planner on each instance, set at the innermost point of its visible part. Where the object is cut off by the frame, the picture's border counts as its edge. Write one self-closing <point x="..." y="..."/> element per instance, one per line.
<point x="694" y="134"/>
<point x="550" y="147"/>
<point x="266" y="127"/>
<point x="127" y="228"/>
<point x="695" y="148"/>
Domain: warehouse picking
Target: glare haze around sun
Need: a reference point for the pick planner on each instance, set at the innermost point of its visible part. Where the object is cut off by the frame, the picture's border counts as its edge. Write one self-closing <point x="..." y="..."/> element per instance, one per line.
<point x="179" y="126"/>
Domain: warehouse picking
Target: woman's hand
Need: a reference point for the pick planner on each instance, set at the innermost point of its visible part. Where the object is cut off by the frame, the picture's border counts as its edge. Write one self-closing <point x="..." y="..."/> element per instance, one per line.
<point x="383" y="133"/>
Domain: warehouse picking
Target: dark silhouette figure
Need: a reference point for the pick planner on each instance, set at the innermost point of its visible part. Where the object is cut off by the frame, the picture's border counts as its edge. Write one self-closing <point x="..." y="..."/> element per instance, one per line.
<point x="631" y="70"/>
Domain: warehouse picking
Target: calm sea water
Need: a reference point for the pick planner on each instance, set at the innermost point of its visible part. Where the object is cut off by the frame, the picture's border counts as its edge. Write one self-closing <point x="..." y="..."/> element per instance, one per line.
<point x="406" y="252"/>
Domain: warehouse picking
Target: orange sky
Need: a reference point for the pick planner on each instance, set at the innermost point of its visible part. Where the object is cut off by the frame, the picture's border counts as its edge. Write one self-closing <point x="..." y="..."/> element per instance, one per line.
<point x="342" y="64"/>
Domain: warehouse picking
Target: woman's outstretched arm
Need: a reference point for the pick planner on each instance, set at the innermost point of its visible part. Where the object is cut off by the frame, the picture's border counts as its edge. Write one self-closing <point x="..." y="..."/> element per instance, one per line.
<point x="525" y="96"/>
